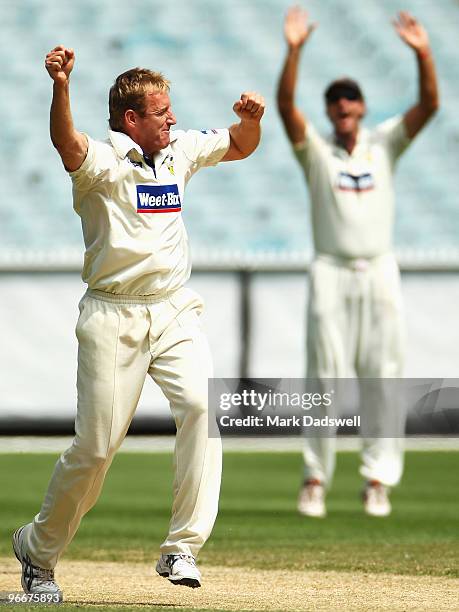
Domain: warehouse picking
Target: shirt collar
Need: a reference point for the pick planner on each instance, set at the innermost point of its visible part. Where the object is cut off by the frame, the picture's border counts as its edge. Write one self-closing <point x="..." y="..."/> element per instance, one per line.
<point x="362" y="138"/>
<point x="124" y="145"/>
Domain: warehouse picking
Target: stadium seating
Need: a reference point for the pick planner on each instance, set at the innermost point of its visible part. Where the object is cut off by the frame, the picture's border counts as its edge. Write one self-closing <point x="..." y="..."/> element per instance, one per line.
<point x="212" y="51"/>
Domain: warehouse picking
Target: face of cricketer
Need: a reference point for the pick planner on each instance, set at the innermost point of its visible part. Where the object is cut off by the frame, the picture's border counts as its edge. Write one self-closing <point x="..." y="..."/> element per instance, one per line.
<point x="152" y="131"/>
<point x="346" y="115"/>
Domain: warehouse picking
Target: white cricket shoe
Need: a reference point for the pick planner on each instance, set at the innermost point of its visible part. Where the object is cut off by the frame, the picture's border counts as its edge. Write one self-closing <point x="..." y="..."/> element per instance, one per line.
<point x="179" y="569"/>
<point x="376" y="499"/>
<point x="311" y="500"/>
<point x="35" y="580"/>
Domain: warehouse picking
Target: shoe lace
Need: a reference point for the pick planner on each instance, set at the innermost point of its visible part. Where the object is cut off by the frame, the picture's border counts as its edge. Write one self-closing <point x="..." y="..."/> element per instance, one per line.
<point x="377" y="493"/>
<point x="172" y="559"/>
<point x="44" y="575"/>
<point x="40" y="574"/>
<point x="314" y="492"/>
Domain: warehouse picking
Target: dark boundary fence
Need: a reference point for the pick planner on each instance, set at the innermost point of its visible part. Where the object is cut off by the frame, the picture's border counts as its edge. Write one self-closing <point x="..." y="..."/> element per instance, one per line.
<point x="245" y="271"/>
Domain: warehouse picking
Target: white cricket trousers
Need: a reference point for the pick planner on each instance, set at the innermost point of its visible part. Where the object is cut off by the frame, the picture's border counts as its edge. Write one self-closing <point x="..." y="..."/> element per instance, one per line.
<point x="355" y="327"/>
<point x="121" y="340"/>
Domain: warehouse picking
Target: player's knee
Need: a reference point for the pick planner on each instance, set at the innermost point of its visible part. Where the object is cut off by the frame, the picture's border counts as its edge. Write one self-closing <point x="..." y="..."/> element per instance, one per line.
<point x="195" y="403"/>
<point x="86" y="458"/>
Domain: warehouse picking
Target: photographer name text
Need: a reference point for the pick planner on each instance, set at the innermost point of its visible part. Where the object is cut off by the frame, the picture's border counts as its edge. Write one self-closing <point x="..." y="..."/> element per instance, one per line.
<point x="305" y="420"/>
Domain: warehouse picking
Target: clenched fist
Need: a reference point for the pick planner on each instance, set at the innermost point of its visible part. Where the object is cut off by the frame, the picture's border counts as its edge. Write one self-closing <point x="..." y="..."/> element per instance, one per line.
<point x="59" y="63"/>
<point x="250" y="107"/>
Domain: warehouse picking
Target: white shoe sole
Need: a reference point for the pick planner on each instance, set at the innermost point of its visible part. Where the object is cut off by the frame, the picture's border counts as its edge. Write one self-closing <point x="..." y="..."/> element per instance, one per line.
<point x="380" y="513"/>
<point x="17" y="553"/>
<point x="193" y="583"/>
<point x="312" y="514"/>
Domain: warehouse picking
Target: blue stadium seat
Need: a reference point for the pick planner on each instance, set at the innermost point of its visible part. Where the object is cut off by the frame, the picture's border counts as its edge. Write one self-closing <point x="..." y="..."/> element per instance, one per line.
<point x="212" y="51"/>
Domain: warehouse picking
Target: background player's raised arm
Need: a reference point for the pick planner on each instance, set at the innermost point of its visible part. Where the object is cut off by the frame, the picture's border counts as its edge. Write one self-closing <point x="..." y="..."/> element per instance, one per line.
<point x="71" y="144"/>
<point x="297" y="30"/>
<point x="415" y="36"/>
<point x="246" y="134"/>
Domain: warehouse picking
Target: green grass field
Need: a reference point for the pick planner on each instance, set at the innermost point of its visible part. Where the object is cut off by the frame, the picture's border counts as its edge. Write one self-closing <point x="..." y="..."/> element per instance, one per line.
<point x="258" y="525"/>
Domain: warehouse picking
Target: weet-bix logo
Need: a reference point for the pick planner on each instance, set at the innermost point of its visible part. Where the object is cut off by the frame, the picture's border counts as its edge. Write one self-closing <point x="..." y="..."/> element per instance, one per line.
<point x="158" y="199"/>
<point x="350" y="182"/>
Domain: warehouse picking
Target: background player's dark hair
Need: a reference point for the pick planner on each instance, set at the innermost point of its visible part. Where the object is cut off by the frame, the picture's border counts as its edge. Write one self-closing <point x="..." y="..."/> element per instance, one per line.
<point x="343" y="85"/>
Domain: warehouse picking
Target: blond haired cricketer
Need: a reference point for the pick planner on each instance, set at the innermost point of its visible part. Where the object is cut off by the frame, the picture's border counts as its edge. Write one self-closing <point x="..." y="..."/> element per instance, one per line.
<point x="136" y="317"/>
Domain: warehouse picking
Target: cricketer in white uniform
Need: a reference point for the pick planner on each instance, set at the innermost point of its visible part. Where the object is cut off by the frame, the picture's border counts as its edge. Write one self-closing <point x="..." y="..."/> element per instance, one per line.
<point x="136" y="317"/>
<point x="355" y="323"/>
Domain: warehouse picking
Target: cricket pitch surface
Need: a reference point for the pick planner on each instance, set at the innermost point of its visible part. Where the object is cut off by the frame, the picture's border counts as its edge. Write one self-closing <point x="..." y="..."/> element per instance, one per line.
<point x="114" y="584"/>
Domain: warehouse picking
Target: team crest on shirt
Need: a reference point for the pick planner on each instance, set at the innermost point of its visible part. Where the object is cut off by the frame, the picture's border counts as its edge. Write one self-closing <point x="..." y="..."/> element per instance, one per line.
<point x="158" y="199"/>
<point x="357" y="183"/>
<point x="170" y="164"/>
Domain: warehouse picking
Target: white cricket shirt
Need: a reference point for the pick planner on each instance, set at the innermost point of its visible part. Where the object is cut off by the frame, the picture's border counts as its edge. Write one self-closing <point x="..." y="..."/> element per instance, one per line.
<point x="352" y="195"/>
<point x="135" y="238"/>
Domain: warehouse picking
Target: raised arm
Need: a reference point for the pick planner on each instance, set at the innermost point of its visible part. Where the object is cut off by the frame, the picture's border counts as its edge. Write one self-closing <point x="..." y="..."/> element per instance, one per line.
<point x="245" y="135"/>
<point x="297" y="31"/>
<point x="415" y="36"/>
<point x="71" y="144"/>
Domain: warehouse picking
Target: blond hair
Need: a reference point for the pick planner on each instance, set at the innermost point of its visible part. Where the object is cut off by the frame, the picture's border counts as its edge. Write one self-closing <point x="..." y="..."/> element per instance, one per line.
<point x="128" y="92"/>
